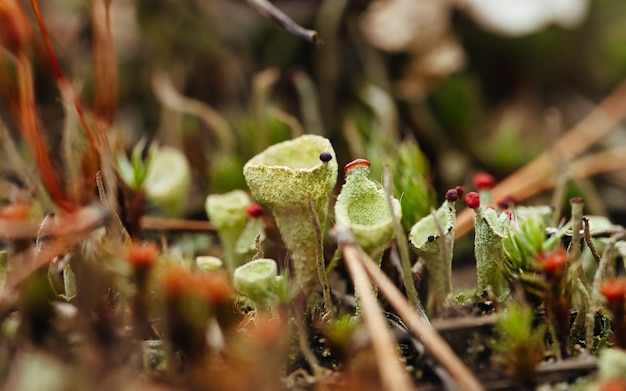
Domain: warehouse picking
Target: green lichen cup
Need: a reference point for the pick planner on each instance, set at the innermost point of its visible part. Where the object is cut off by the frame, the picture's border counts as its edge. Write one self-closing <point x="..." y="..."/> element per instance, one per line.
<point x="286" y="177"/>
<point x="228" y="214"/>
<point x="362" y="206"/>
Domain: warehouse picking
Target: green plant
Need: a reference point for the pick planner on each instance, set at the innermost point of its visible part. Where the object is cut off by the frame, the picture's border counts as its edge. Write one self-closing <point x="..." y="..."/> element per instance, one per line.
<point x="518" y="344"/>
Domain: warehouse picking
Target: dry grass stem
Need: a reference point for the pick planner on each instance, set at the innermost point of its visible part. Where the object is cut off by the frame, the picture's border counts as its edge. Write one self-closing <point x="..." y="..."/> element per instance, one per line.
<point x="540" y="173"/>
<point x="392" y="373"/>
<point x="268" y="10"/>
<point x="432" y="341"/>
<point x="165" y="224"/>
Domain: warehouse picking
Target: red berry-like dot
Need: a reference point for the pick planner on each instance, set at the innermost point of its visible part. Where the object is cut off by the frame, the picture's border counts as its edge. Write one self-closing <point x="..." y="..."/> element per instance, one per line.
<point x="452" y="195"/>
<point x="326" y="156"/>
<point x="354" y="164"/>
<point x="472" y="200"/>
<point x="459" y="191"/>
<point x="508" y="213"/>
<point x="491" y="207"/>
<point x="484" y="181"/>
<point x="614" y="290"/>
<point x="254" y="210"/>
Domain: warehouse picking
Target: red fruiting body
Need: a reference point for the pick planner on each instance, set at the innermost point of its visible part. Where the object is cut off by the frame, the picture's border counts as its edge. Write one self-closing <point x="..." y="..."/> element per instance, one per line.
<point x="508" y="213"/>
<point x="17" y="211"/>
<point x="459" y="191"/>
<point x="491" y="207"/>
<point x="614" y="290"/>
<point x="355" y="163"/>
<point x="142" y="256"/>
<point x="553" y="263"/>
<point x="472" y="199"/>
<point x="483" y="181"/>
<point x="613" y="385"/>
<point x="452" y="195"/>
<point x="254" y="210"/>
<point x="576" y="200"/>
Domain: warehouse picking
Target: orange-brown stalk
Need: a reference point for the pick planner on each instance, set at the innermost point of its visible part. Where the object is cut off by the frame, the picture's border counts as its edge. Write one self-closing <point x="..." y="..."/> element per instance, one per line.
<point x="106" y="84"/>
<point x="34" y="137"/>
<point x="90" y="161"/>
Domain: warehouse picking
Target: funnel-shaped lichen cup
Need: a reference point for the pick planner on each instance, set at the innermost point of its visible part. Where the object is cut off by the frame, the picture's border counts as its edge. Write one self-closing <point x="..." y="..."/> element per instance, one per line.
<point x="285" y="178"/>
<point x="432" y="238"/>
<point x="362" y="205"/>
<point x="228" y="214"/>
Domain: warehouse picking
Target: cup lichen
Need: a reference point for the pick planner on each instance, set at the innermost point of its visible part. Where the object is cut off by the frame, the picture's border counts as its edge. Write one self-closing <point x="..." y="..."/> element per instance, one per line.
<point x="228" y="214"/>
<point x="288" y="177"/>
<point x="362" y="206"/>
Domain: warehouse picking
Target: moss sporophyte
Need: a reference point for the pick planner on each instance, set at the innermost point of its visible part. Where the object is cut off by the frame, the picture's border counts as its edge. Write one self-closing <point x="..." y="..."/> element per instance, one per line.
<point x="294" y="180"/>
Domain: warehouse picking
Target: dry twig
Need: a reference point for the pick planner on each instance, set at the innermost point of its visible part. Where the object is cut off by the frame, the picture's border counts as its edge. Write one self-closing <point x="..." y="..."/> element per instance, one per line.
<point x="432" y="341"/>
<point x="268" y="10"/>
<point x="393" y="375"/>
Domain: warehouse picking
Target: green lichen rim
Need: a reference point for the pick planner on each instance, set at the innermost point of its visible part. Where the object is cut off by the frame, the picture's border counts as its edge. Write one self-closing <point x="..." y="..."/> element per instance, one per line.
<point x="256" y="277"/>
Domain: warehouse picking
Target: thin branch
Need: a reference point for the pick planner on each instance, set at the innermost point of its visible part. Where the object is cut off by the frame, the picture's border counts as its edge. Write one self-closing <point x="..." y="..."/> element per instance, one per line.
<point x="162" y="224"/>
<point x="588" y="239"/>
<point x="392" y="374"/>
<point x="268" y="10"/>
<point x="432" y="341"/>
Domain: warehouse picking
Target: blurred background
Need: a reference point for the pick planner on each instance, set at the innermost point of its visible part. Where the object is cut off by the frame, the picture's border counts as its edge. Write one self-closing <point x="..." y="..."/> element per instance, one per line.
<point x="475" y="85"/>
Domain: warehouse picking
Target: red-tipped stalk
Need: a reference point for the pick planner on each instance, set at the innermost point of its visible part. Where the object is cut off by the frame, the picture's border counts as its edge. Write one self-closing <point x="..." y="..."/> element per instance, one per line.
<point x="142" y="257"/>
<point x="614" y="291"/>
<point x="556" y="301"/>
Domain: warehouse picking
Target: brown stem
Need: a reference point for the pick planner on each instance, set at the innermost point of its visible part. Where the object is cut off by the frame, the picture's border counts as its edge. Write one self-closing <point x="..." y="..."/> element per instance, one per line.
<point x="432" y="341"/>
<point x="268" y="10"/>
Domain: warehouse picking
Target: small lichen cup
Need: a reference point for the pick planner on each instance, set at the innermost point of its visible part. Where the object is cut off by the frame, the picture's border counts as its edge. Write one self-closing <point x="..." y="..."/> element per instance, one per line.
<point x="362" y="206"/>
<point x="228" y="214"/>
<point x="285" y="178"/>
<point x="257" y="280"/>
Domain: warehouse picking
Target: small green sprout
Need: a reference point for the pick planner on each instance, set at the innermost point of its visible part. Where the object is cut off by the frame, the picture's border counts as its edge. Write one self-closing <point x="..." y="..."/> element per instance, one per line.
<point x="518" y="345"/>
